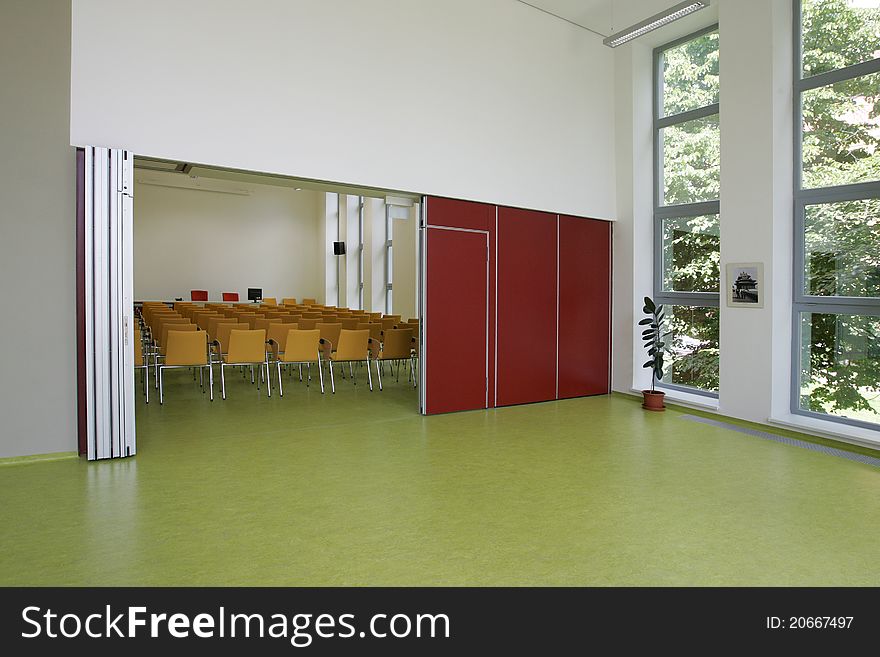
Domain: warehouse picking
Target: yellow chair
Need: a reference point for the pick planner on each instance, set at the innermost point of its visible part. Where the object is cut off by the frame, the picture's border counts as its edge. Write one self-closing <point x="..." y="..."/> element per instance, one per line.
<point x="246" y="348"/>
<point x="353" y="347"/>
<point x="269" y="301"/>
<point x="214" y="322"/>
<point x="350" y="324"/>
<point x="309" y="302"/>
<point x="307" y="324"/>
<point x="390" y="322"/>
<point x="186" y="349"/>
<point x="313" y="315"/>
<point x="288" y="301"/>
<point x="276" y="337"/>
<point x="220" y="343"/>
<point x="301" y="348"/>
<point x="397" y="345"/>
<point x="330" y="332"/>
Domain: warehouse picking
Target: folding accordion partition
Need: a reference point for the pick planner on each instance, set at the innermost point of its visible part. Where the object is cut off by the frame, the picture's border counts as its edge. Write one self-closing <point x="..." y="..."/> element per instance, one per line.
<point x="515" y="305"/>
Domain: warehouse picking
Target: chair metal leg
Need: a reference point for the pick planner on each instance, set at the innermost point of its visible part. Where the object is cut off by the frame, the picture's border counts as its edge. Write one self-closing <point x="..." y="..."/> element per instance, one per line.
<point x="211" y="380"/>
<point x="369" y="375"/>
<point x="161" y="392"/>
<point x="222" y="381"/>
<point x="147" y="384"/>
<point x="332" y="382"/>
<point x="412" y="370"/>
<point x="280" y="387"/>
<point x="308" y="373"/>
<point x="321" y="373"/>
<point x="379" y="375"/>
<point x="268" y="383"/>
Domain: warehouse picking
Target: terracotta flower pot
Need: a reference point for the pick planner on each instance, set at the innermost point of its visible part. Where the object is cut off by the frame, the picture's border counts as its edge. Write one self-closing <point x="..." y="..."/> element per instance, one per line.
<point x="653" y="401"/>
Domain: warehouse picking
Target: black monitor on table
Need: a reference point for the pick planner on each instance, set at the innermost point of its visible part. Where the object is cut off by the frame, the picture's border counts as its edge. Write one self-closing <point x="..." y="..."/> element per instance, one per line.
<point x="255" y="293"/>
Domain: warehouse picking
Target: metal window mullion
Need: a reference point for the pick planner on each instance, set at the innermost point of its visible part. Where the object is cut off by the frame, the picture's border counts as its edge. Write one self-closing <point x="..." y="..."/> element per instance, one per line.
<point x="851" y="192"/>
<point x="688" y="209"/>
<point x="692" y="299"/>
<point x="829" y="78"/>
<point x="687" y="116"/>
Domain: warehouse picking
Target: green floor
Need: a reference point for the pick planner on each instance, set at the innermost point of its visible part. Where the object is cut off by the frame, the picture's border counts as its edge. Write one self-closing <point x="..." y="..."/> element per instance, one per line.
<point x="358" y="489"/>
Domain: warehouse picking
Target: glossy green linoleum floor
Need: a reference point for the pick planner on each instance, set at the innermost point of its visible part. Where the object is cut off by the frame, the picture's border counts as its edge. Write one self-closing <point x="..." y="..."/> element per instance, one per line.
<point x="357" y="489"/>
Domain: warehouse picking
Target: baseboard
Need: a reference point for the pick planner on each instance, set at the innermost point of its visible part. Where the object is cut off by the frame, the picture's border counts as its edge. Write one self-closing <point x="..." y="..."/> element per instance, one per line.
<point x="38" y="458"/>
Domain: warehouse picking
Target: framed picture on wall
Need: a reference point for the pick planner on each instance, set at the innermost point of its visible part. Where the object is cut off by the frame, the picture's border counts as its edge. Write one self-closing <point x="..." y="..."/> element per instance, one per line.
<point x="745" y="285"/>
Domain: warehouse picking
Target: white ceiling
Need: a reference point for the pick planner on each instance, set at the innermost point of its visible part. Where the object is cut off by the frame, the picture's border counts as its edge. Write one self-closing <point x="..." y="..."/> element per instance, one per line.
<point x="606" y="17"/>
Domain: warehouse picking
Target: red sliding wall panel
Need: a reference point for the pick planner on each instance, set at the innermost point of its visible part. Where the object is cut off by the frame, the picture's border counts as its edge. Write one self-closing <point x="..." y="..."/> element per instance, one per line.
<point x="456" y="324"/>
<point x="526" y="307"/>
<point x="584" y="306"/>
<point x="459" y="214"/>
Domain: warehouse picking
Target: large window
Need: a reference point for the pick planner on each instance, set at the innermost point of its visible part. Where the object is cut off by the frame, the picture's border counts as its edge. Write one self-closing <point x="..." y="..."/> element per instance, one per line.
<point x="836" y="321"/>
<point x="686" y="208"/>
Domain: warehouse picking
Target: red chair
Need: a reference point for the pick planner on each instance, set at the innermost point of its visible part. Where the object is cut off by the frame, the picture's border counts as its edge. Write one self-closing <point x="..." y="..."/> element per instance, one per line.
<point x="198" y="295"/>
<point x="230" y="296"/>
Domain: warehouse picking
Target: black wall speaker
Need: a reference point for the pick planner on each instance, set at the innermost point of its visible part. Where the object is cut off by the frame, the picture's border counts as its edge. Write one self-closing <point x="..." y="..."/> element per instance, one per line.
<point x="338" y="248"/>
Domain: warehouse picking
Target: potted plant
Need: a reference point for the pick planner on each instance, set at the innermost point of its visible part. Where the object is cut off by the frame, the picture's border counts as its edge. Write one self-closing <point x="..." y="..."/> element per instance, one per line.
<point x="653" y="337"/>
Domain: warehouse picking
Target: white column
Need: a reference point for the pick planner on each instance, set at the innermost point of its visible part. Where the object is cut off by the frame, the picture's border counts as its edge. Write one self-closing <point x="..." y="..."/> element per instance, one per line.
<point x="756" y="192"/>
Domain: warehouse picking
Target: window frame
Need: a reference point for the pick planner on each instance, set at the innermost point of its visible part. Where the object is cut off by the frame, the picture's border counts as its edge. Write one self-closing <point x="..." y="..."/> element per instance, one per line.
<point x="388" y="256"/>
<point x="802" y="302"/>
<point x="683" y="210"/>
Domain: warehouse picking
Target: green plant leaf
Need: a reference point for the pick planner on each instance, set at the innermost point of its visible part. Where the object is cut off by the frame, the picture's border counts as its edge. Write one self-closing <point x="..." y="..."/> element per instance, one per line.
<point x="650" y="363"/>
<point x="649" y="305"/>
<point x="645" y="321"/>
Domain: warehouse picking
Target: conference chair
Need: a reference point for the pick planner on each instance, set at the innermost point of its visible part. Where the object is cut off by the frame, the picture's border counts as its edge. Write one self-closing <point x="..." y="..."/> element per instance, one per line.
<point x="330" y="332"/>
<point x="350" y="324"/>
<point x="161" y="347"/>
<point x="301" y="348"/>
<point x="307" y="323"/>
<point x="288" y="301"/>
<point x="186" y="349"/>
<point x="374" y="328"/>
<point x="313" y="315"/>
<point x="215" y="322"/>
<point x="246" y="348"/>
<point x="220" y="344"/>
<point x="397" y="345"/>
<point x="309" y="302"/>
<point x="353" y="347"/>
<point x="389" y="322"/>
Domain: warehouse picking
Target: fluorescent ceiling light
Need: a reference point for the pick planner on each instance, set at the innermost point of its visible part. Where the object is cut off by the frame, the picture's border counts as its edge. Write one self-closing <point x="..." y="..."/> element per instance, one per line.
<point x="659" y="20"/>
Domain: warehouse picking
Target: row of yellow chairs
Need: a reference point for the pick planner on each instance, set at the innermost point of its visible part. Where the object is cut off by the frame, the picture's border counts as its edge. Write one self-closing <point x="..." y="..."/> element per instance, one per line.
<point x="175" y="341"/>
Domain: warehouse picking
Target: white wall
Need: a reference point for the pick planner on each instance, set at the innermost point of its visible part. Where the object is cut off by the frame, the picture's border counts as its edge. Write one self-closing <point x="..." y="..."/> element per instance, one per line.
<point x="405" y="230"/>
<point x="186" y="239"/>
<point x="37" y="231"/>
<point x="489" y="100"/>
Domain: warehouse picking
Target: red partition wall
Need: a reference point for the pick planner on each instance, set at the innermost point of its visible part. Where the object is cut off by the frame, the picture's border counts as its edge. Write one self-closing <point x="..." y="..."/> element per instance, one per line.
<point x="525" y="323"/>
<point x="456" y="322"/>
<point x="584" y="302"/>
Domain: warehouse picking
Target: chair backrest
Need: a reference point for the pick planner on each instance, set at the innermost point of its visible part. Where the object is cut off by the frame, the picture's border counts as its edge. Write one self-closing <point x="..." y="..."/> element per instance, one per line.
<point x="375" y="329"/>
<point x="230" y="296"/>
<point x="198" y="295"/>
<point x="262" y="323"/>
<point x="397" y="343"/>
<point x="330" y="331"/>
<point x="350" y="324"/>
<point x="277" y="334"/>
<point x="301" y="346"/>
<point x="312" y="315"/>
<point x="269" y="301"/>
<point x="309" y="302"/>
<point x="160" y="327"/>
<point x="223" y="331"/>
<point x="389" y="323"/>
<point x="306" y="324"/>
<point x="246" y="346"/>
<point x="138" y="352"/>
<point x="352" y="345"/>
<point x="214" y="322"/>
<point x="187" y="348"/>
<point x="375" y="317"/>
<point x="288" y="301"/>
<point x="168" y="328"/>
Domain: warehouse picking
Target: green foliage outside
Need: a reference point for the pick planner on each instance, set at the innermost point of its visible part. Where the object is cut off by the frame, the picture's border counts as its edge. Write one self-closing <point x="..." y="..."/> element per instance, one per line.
<point x="841" y="145"/>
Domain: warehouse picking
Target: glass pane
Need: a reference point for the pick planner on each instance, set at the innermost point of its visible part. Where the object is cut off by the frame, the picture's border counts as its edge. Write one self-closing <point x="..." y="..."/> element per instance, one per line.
<point x="691" y="161"/>
<point x="693" y="345"/>
<point x="840" y="365"/>
<point x="690" y="75"/>
<point x="691" y="254"/>
<point x="838" y="33"/>
<point x="842" y="249"/>
<point x="841" y="133"/>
